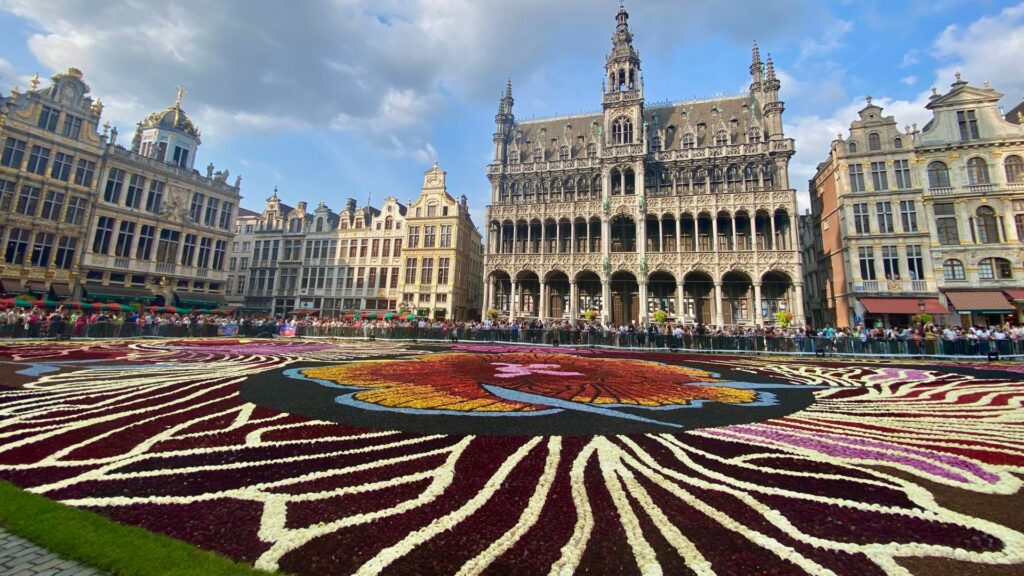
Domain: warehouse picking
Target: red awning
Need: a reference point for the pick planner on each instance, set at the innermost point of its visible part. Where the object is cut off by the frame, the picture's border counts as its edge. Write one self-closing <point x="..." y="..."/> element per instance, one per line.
<point x="902" y="305"/>
<point x="1017" y="295"/>
<point x="979" y="301"/>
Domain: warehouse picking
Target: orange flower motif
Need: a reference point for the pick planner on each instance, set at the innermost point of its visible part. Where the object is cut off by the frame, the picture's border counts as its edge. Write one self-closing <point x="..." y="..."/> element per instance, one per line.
<point x="455" y="382"/>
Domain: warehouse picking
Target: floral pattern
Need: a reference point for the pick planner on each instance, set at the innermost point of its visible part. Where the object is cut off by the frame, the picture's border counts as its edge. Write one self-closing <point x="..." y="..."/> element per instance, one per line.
<point x="156" y="434"/>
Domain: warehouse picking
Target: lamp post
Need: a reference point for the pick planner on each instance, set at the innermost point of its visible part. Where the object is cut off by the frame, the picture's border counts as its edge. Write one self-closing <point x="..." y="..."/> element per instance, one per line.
<point x="920" y="304"/>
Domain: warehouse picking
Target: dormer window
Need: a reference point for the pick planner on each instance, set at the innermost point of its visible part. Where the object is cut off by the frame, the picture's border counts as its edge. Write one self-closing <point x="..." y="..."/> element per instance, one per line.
<point x="591" y="150"/>
<point x="656" y="144"/>
<point x="968" y="123"/>
<point x="754" y="136"/>
<point x="563" y="153"/>
<point x="538" y="155"/>
<point x="181" y="156"/>
<point x="852" y="147"/>
<point x="721" y="138"/>
<point x="688" y="141"/>
<point x="431" y="210"/>
<point x="874" y="142"/>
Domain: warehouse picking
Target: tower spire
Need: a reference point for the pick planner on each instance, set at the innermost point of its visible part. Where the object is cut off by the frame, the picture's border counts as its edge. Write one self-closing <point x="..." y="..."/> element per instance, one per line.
<point x="771" y="69"/>
<point x="756" y="66"/>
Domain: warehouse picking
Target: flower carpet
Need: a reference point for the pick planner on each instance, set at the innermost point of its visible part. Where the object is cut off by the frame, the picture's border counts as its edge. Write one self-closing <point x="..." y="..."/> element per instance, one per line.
<point x="387" y="458"/>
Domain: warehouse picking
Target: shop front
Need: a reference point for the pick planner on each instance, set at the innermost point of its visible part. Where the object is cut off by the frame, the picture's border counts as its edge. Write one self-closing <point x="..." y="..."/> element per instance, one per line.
<point x="980" y="307"/>
<point x="897" y="311"/>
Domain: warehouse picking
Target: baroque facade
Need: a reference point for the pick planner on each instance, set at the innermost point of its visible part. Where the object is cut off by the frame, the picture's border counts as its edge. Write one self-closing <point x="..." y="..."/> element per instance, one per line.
<point x="85" y="217"/>
<point x="424" y="256"/>
<point x="930" y="220"/>
<point x="682" y="207"/>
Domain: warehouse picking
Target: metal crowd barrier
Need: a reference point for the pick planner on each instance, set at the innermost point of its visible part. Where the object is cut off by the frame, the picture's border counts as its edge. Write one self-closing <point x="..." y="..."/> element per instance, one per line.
<point x="547" y="337"/>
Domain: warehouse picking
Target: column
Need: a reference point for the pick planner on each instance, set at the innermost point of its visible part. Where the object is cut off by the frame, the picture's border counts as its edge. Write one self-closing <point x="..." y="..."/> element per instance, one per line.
<point x="606" y="235"/>
<point x="515" y="235"/>
<point x="719" y="317"/>
<point x="735" y="243"/>
<point x="643" y="302"/>
<point x="513" y="306"/>
<point x="606" y="300"/>
<point x="661" y="236"/>
<point x="964" y="221"/>
<point x="572" y="237"/>
<point x="758" y="311"/>
<point x="680" y="304"/>
<point x="714" y="233"/>
<point x="798" y="305"/>
<point x="696" y="234"/>
<point x="542" y="310"/>
<point x="771" y="220"/>
<point x="679" y="233"/>
<point x="558" y="237"/>
<point x="488" y="287"/>
<point x="529" y="237"/>
<point x="573" y="301"/>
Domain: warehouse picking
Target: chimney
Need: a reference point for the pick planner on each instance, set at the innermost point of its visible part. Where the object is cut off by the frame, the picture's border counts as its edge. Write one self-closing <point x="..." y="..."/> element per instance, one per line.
<point x="350" y="204"/>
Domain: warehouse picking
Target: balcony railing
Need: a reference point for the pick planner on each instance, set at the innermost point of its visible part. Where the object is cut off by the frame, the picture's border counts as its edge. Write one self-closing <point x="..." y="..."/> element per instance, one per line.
<point x="893" y="286"/>
<point x="941" y="191"/>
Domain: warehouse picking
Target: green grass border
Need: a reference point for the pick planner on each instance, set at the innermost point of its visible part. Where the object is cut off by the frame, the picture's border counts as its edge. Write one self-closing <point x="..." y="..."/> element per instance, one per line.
<point x="93" y="540"/>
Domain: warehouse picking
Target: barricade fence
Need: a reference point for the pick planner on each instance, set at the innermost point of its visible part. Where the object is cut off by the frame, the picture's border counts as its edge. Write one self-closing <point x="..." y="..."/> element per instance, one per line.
<point x="547" y="337"/>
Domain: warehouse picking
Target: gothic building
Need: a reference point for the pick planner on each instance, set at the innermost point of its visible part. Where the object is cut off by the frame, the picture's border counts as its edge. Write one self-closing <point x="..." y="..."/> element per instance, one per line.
<point x="683" y="207"/>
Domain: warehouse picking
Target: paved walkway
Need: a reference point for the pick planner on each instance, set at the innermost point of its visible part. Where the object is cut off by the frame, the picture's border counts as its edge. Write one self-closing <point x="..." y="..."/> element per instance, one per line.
<point x="19" y="557"/>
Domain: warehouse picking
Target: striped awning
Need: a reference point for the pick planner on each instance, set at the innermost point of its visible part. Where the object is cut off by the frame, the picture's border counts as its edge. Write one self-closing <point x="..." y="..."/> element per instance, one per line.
<point x="979" y="301"/>
<point x="1015" y="294"/>
<point x="902" y="305"/>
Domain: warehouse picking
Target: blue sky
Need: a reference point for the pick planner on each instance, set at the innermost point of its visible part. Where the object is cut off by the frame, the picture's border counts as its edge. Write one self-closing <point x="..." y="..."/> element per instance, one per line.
<point x="330" y="99"/>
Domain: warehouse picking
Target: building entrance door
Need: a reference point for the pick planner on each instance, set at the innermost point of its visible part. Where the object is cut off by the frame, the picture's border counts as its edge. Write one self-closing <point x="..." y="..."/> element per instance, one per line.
<point x="625" y="296"/>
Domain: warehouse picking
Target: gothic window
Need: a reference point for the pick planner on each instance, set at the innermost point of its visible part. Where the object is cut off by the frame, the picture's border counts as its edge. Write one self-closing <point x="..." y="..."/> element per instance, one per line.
<point x="754" y="136"/>
<point x="1014" y="169"/>
<point x="734" y="178"/>
<point x="721" y="138"/>
<point x="622" y="131"/>
<point x="656" y="143"/>
<point x="977" y="171"/>
<point x="563" y="153"/>
<point x="591" y="150"/>
<point x="938" y="175"/>
<point x="513" y="157"/>
<point x="688" y="141"/>
<point x="874" y="141"/>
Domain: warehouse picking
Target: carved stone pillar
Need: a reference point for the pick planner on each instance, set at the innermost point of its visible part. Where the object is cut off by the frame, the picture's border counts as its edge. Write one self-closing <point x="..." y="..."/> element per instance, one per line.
<point x="798" y="304"/>
<point x="643" y="303"/>
<point x="758" y="309"/>
<point x="513" y="307"/>
<point x="719" y="316"/>
<point x="681" y="303"/>
<point x="573" y="302"/>
<point x="606" y="299"/>
<point x="542" y="310"/>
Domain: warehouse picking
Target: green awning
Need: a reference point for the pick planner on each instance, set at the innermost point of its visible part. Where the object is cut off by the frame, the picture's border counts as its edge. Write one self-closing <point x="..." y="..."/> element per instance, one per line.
<point x="389" y="316"/>
<point x="371" y="315"/>
<point x="118" y="294"/>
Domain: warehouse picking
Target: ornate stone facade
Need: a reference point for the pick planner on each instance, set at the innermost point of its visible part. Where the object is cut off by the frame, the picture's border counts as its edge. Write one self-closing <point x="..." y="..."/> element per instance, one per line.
<point x="927" y="220"/>
<point x="82" y="216"/>
<point x="683" y="207"/>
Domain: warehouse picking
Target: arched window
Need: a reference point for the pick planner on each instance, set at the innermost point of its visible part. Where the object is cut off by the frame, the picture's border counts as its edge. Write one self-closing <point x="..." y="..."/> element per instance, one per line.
<point x="874" y="141"/>
<point x="721" y="138"/>
<point x="977" y="171"/>
<point x="319" y="224"/>
<point x="852" y="147"/>
<point x="897" y="143"/>
<point x="538" y="155"/>
<point x="431" y="210"/>
<point x="987" y="225"/>
<point x="359" y="221"/>
<point x="622" y="131"/>
<point x="938" y="175"/>
<point x="953" y="270"/>
<point x="389" y="222"/>
<point x="563" y="153"/>
<point x="1014" y="169"/>
<point x="688" y="141"/>
<point x="734" y="177"/>
<point x="591" y="150"/>
<point x="995" y="268"/>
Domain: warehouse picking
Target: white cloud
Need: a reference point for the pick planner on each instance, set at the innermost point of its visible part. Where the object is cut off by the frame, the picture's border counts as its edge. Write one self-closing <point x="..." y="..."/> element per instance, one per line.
<point x="988" y="49"/>
<point x="830" y="40"/>
<point x="910" y="58"/>
<point x="909" y="80"/>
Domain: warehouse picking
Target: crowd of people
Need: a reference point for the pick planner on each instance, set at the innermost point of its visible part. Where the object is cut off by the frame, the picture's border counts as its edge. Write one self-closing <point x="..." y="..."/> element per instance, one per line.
<point x="918" y="339"/>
